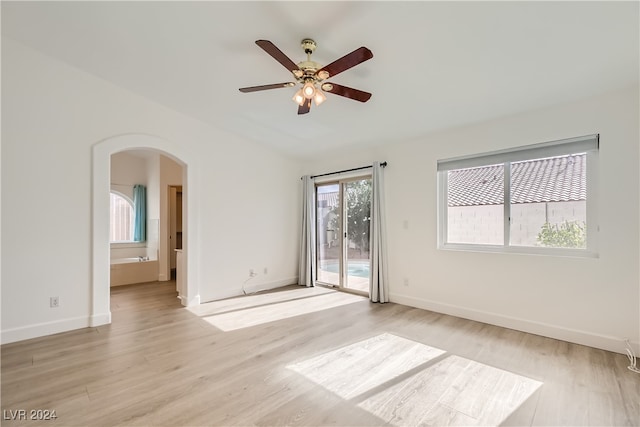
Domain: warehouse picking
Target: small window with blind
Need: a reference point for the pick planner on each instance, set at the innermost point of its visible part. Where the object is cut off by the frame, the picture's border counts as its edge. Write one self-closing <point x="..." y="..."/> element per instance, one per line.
<point x="533" y="199"/>
<point x="121" y="214"/>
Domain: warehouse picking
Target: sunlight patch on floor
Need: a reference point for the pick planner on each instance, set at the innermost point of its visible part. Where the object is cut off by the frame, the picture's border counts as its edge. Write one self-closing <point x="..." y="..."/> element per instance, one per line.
<point x="454" y="391"/>
<point x="404" y="382"/>
<point x="248" y="301"/>
<point x="357" y="368"/>
<point x="253" y="316"/>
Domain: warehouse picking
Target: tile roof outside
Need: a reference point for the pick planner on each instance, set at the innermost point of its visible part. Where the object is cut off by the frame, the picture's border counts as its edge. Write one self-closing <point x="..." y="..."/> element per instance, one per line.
<point x="553" y="179"/>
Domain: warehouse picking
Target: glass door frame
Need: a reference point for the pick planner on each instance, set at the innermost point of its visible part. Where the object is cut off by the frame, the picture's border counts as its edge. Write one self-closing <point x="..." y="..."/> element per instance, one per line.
<point x="340" y="239"/>
<point x="342" y="259"/>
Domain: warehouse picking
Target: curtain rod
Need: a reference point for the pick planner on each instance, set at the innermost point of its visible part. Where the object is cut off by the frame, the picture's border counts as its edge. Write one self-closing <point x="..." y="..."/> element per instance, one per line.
<point x="383" y="164"/>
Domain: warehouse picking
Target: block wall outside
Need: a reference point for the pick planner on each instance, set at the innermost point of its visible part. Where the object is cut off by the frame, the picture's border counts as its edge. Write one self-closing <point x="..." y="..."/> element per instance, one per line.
<point x="484" y="224"/>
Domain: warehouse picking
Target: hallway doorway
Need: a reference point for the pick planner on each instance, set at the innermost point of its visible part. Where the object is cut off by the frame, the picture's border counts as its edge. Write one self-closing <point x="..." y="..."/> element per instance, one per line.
<point x="101" y="184"/>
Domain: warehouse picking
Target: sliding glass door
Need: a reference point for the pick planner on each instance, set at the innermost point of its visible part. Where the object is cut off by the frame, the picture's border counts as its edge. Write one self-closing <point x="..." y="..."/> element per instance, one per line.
<point x="328" y="232"/>
<point x="342" y="233"/>
<point x="357" y="201"/>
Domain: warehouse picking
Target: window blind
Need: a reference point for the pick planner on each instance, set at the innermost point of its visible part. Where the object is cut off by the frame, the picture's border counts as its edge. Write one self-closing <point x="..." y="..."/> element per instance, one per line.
<point x="580" y="144"/>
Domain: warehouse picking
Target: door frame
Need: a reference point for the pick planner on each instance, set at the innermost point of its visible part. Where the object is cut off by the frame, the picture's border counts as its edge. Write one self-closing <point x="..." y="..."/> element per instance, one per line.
<point x="343" y="239"/>
<point x="102" y="151"/>
<point x="172" y="224"/>
<point x="340" y="239"/>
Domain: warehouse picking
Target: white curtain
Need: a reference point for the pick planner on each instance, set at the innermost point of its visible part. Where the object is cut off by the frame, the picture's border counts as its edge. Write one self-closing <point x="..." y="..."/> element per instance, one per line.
<point x="379" y="283"/>
<point x="307" y="270"/>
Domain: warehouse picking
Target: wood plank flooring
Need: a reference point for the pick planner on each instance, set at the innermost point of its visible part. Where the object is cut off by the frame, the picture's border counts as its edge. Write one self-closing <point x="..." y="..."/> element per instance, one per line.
<point x="299" y="356"/>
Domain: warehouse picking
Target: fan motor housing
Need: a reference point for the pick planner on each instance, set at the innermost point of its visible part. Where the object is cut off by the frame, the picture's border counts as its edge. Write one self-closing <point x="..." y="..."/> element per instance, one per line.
<point x="309" y="67"/>
<point x="309" y="45"/>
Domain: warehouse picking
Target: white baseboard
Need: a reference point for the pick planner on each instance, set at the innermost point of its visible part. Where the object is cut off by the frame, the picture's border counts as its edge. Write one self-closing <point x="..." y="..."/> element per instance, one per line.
<point x="100" y="319"/>
<point x="251" y="288"/>
<point x="48" y="328"/>
<point x="191" y="302"/>
<point x="605" y="342"/>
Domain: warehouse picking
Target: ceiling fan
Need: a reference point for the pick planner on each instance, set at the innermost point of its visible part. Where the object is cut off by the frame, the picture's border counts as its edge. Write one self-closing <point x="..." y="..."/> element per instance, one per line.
<point x="310" y="75"/>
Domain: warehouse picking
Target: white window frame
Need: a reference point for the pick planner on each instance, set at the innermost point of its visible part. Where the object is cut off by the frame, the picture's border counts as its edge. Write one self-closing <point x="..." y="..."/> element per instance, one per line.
<point x="588" y="144"/>
<point x="125" y="243"/>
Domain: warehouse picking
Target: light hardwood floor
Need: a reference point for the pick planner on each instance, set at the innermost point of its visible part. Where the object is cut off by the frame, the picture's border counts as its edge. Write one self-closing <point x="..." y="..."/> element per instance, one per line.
<point x="301" y="356"/>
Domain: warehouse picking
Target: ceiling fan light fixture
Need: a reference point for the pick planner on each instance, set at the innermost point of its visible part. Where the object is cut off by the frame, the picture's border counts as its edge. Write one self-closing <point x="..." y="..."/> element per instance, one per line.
<point x="298" y="98"/>
<point x="311" y="76"/>
<point x="308" y="90"/>
<point x="319" y="97"/>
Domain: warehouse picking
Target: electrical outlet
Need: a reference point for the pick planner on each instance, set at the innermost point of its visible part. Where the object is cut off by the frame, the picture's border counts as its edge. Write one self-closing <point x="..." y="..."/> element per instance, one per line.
<point x="54" y="302"/>
<point x="265" y="270"/>
<point x="251" y="272"/>
<point x="406" y="282"/>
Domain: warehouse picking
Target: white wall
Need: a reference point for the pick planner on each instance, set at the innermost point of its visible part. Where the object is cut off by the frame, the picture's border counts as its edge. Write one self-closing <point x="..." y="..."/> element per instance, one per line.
<point x="52" y="115"/>
<point x="128" y="170"/>
<point x="584" y="300"/>
<point x="153" y="207"/>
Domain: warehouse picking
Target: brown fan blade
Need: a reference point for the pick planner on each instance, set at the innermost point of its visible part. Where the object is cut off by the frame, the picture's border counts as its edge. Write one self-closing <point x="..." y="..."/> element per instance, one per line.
<point x="349" y="60"/>
<point x="305" y="108"/>
<point x="277" y="54"/>
<point x="266" y="87"/>
<point x="347" y="92"/>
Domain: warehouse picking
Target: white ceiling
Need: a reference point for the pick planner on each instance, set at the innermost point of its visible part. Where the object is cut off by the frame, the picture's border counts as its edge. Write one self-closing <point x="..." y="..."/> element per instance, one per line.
<point x="436" y="64"/>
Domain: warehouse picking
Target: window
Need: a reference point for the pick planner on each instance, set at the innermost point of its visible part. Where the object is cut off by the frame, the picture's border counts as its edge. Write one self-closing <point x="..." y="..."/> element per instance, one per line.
<point x="536" y="199"/>
<point x="121" y="216"/>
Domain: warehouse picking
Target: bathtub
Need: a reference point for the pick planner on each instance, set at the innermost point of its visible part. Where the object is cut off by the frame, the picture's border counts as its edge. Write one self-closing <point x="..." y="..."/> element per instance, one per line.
<point x="129" y="260"/>
<point x="126" y="271"/>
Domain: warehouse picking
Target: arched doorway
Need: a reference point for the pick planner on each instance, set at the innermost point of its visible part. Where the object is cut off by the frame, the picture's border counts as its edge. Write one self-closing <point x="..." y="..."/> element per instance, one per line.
<point x="102" y="151"/>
